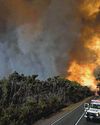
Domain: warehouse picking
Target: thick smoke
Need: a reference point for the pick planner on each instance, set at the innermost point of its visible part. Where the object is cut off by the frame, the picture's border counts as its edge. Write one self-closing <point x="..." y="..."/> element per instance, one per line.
<point x="36" y="36"/>
<point x="90" y="20"/>
<point x="41" y="37"/>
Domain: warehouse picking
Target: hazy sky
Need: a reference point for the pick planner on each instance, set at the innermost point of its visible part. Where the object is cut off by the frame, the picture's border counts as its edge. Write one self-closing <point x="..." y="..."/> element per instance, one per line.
<point x="41" y="36"/>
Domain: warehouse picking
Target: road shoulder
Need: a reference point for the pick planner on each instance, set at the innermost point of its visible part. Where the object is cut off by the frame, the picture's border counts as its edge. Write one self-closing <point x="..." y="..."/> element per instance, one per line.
<point x="57" y="116"/>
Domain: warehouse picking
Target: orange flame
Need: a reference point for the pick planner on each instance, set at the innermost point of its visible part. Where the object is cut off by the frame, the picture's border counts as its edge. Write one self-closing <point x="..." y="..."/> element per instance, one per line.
<point x="83" y="73"/>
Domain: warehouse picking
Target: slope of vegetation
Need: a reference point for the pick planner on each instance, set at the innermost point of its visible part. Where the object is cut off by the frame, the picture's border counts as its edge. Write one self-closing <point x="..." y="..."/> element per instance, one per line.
<point x="25" y="99"/>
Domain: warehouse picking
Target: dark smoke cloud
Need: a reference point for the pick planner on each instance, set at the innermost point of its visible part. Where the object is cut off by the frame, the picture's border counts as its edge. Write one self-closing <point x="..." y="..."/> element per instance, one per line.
<point x="40" y="37"/>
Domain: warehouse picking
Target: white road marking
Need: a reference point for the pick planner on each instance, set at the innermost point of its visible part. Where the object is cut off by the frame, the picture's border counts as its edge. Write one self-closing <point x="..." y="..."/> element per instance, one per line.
<point x="66" y="115"/>
<point x="79" y="119"/>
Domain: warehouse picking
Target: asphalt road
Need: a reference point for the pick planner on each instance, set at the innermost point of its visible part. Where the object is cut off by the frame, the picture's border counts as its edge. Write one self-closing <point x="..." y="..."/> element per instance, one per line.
<point x="76" y="117"/>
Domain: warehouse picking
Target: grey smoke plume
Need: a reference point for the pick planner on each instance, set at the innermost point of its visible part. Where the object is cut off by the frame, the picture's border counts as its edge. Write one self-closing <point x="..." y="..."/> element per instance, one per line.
<point x="36" y="37"/>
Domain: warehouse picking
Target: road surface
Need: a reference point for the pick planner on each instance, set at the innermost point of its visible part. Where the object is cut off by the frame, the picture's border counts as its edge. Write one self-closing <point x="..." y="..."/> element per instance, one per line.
<point x="76" y="117"/>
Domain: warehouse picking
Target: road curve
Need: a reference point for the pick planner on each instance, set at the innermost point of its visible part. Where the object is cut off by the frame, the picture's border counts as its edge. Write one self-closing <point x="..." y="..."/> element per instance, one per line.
<point x="76" y="117"/>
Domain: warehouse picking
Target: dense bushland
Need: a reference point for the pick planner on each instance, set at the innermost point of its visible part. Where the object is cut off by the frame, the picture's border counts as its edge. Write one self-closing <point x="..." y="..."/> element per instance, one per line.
<point x="25" y="99"/>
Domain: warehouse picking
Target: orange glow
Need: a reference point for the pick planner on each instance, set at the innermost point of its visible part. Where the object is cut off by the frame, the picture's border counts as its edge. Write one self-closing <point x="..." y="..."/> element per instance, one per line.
<point x="83" y="73"/>
<point x="90" y="7"/>
<point x="95" y="46"/>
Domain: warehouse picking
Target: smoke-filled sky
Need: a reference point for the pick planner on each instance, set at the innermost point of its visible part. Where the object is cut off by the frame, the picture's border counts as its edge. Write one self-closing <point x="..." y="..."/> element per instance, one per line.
<point x="43" y="36"/>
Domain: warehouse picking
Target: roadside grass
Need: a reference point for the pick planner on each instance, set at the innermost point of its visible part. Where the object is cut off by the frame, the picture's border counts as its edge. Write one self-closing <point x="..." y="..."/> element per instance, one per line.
<point x="53" y="117"/>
